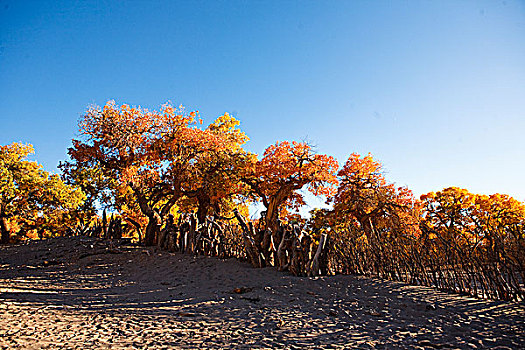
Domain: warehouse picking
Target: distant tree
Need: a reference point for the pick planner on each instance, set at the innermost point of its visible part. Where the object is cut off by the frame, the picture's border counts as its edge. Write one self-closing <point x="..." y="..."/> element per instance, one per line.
<point x="490" y="228"/>
<point x="31" y="198"/>
<point x="99" y="188"/>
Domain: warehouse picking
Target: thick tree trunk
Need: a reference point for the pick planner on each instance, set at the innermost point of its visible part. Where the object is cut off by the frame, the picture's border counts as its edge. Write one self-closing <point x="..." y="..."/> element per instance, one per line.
<point x="154" y="217"/>
<point x="266" y="246"/>
<point x="5" y="231"/>
<point x="166" y="233"/>
<point x="297" y="260"/>
<point x="204" y="206"/>
<point x="137" y="227"/>
<point x="152" y="230"/>
<point x="272" y="217"/>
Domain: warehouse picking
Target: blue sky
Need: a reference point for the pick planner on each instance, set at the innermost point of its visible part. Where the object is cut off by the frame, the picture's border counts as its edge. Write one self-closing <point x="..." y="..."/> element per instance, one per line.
<point x="434" y="90"/>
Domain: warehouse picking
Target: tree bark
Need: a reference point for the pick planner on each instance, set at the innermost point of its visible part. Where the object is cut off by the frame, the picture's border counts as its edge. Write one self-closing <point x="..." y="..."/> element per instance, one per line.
<point x="5" y="231"/>
<point x="249" y="244"/>
<point x="153" y="229"/>
<point x="154" y="218"/>
<point x="315" y="264"/>
<point x="204" y="202"/>
<point x="282" y="263"/>
<point x="137" y="227"/>
<point x="191" y="244"/>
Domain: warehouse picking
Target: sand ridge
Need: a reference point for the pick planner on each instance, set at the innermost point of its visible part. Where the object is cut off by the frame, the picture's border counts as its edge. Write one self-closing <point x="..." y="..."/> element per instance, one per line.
<point x="81" y="292"/>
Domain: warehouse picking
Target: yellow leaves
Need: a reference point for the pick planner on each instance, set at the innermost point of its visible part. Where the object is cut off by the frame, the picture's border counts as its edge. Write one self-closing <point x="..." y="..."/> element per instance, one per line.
<point x="166" y="153"/>
<point x="456" y="213"/>
<point x="365" y="197"/>
<point x="15" y="152"/>
<point x="16" y="172"/>
<point x="357" y="167"/>
<point x="227" y="127"/>
<point x="428" y="196"/>
<point x="499" y="211"/>
<point x="285" y="161"/>
<point x="31" y="194"/>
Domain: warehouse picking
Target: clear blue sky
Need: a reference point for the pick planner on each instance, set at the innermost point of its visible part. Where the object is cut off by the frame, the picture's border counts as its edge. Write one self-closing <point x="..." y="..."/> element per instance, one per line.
<point x="434" y="90"/>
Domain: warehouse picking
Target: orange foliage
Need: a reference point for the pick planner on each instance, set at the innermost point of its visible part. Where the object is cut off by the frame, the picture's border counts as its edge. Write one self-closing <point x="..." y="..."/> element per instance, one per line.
<point x="365" y="196"/>
<point x="286" y="168"/>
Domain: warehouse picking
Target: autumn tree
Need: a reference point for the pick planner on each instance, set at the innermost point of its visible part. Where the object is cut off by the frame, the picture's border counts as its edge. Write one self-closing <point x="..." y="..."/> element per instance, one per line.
<point x="31" y="198"/>
<point x="500" y="220"/>
<point x="162" y="157"/>
<point x="374" y="218"/>
<point x="364" y="195"/>
<point x="284" y="169"/>
<point x="480" y="236"/>
<point x="214" y="179"/>
<point x="147" y="151"/>
<point x="448" y="214"/>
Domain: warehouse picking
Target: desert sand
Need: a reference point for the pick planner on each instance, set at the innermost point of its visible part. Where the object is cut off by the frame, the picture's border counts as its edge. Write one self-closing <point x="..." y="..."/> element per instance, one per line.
<point x="86" y="293"/>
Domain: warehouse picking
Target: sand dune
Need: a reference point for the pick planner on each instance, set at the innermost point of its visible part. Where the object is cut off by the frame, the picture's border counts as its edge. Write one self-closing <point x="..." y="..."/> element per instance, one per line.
<point x="84" y="293"/>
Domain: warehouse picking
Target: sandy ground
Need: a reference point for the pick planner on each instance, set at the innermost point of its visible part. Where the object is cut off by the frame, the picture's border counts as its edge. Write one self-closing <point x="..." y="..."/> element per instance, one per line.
<point x="84" y="293"/>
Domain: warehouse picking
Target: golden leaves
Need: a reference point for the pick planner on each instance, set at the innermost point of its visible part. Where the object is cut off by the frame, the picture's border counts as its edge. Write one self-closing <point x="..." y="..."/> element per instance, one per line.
<point x="30" y="195"/>
<point x="364" y="196"/>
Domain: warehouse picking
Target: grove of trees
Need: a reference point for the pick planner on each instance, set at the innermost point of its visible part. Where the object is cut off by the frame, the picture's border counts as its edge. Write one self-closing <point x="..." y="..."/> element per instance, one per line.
<point x="169" y="181"/>
<point x="31" y="199"/>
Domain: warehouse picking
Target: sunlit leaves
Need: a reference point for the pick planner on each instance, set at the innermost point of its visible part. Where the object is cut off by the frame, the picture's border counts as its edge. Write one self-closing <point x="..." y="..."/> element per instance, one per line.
<point x="284" y="169"/>
<point x="164" y="157"/>
<point x="365" y="196"/>
<point x="31" y="198"/>
<point x="472" y="218"/>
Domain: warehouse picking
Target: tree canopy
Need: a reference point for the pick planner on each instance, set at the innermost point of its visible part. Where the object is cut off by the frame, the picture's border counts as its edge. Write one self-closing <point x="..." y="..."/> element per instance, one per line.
<point x="31" y="199"/>
<point x="177" y="183"/>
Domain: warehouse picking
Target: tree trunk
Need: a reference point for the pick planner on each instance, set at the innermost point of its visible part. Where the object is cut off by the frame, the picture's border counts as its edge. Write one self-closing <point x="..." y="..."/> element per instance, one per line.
<point x="5" y="231"/>
<point x="272" y="217"/>
<point x="266" y="246"/>
<point x="203" y="207"/>
<point x="166" y="232"/>
<point x="282" y="259"/>
<point x="104" y="225"/>
<point x="315" y="263"/>
<point x="191" y="243"/>
<point x="137" y="227"/>
<point x="152" y="230"/>
<point x="249" y="244"/>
